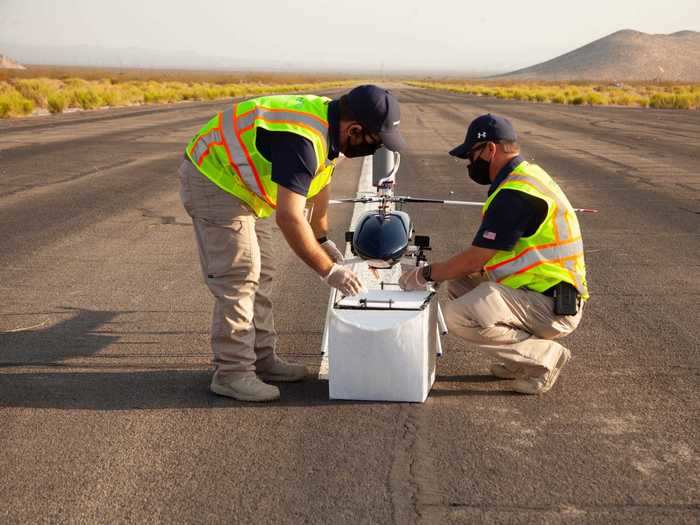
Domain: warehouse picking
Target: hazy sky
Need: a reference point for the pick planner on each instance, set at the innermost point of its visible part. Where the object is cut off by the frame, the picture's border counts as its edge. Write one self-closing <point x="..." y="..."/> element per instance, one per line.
<point x="363" y="35"/>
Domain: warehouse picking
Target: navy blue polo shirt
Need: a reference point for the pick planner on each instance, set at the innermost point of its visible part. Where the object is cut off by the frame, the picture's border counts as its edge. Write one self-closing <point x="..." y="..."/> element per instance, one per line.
<point x="292" y="156"/>
<point x="511" y="215"/>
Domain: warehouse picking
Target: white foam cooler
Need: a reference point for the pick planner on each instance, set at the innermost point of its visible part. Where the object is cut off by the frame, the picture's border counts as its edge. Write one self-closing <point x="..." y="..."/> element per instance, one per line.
<point x="382" y="346"/>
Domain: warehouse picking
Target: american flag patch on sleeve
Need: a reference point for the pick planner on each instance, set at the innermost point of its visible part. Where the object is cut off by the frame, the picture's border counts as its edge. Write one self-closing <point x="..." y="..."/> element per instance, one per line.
<point x="489" y="235"/>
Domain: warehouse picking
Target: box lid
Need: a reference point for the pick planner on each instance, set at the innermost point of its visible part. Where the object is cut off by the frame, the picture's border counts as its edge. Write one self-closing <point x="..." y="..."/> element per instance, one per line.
<point x="386" y="300"/>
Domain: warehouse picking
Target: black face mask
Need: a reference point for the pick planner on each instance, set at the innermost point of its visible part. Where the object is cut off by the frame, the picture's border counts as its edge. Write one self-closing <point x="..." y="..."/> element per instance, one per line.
<point x="360" y="150"/>
<point x="479" y="171"/>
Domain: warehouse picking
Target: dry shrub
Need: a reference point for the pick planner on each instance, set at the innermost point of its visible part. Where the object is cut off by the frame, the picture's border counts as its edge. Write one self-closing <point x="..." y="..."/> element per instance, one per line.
<point x="56" y="102"/>
<point x="595" y="99"/>
<point x="658" y="95"/>
<point x="19" y="96"/>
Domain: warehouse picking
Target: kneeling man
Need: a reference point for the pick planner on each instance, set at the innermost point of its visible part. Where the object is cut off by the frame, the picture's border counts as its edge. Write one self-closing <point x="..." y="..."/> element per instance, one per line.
<point x="522" y="282"/>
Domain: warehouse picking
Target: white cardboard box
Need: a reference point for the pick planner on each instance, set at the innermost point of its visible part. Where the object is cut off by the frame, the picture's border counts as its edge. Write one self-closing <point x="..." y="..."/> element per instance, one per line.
<point x="383" y="352"/>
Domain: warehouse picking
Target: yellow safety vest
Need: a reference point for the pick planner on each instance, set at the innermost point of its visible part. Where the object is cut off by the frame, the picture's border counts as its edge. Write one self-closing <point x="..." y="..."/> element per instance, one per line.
<point x="554" y="253"/>
<point x="224" y="150"/>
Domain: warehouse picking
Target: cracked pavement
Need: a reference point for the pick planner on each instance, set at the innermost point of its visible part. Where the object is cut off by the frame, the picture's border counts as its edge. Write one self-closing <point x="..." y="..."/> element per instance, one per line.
<point x="104" y="360"/>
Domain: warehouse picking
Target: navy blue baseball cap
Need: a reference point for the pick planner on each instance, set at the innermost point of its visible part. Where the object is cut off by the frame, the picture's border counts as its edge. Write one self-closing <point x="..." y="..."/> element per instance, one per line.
<point x="486" y="128"/>
<point x="378" y="111"/>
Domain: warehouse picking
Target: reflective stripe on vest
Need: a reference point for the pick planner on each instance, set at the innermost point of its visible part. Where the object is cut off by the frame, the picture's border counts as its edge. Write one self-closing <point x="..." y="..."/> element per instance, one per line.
<point x="204" y="142"/>
<point x="299" y="118"/>
<point x="534" y="256"/>
<point x="562" y="228"/>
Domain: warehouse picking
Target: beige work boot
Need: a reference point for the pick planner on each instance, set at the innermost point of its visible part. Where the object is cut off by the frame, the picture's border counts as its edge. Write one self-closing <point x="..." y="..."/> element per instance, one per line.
<point x="503" y="371"/>
<point x="283" y="371"/>
<point x="542" y="384"/>
<point x="245" y="388"/>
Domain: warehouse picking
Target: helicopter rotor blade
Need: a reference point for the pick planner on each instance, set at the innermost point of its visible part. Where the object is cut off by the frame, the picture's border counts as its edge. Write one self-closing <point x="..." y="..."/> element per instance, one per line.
<point x="467" y="203"/>
<point x="355" y="199"/>
<point x="437" y="201"/>
<point x="367" y="200"/>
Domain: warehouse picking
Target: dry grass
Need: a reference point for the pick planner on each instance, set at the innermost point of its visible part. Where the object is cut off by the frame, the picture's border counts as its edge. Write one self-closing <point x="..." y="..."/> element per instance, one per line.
<point x="667" y="96"/>
<point x="119" y="75"/>
<point x="57" y="89"/>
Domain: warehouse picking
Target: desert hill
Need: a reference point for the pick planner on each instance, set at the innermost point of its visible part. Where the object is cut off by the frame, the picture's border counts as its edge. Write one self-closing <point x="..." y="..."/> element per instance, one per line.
<point x="624" y="55"/>
<point x="8" y="63"/>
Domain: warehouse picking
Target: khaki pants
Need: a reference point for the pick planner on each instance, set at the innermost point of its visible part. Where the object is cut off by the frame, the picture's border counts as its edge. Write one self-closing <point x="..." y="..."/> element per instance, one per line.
<point x="515" y="326"/>
<point x="236" y="254"/>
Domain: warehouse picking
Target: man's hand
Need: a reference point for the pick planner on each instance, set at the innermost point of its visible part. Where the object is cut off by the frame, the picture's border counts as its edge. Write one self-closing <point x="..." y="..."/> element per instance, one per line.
<point x="412" y="280"/>
<point x="344" y="280"/>
<point x="332" y="250"/>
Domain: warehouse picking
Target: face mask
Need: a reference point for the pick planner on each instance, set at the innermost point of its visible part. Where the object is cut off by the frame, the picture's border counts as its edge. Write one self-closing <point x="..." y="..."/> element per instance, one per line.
<point x="479" y="171"/>
<point x="360" y="150"/>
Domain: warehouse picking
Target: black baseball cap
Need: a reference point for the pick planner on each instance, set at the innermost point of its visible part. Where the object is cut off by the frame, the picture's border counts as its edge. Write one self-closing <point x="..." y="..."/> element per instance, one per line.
<point x="378" y="111"/>
<point x="486" y="128"/>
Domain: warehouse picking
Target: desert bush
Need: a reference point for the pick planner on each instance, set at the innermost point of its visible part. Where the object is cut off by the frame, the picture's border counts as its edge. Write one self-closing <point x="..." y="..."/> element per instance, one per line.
<point x="37" y="90"/>
<point x="661" y="101"/>
<point x="75" y="82"/>
<point x="57" y="95"/>
<point x="595" y="99"/>
<point x="56" y="102"/>
<point x="667" y="101"/>
<point x="111" y="97"/>
<point x="672" y="96"/>
<point x="558" y="99"/>
<point x="682" y="101"/>
<point x="235" y="91"/>
<point x="87" y="98"/>
<point x="620" y="98"/>
<point x="642" y="101"/>
<point x="13" y="104"/>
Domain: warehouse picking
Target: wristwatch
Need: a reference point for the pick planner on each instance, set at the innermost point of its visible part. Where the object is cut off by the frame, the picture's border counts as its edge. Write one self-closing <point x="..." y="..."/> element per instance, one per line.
<point x="427" y="270"/>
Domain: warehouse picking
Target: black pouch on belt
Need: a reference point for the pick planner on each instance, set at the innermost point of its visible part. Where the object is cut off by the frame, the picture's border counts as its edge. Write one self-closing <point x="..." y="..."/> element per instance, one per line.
<point x="565" y="299"/>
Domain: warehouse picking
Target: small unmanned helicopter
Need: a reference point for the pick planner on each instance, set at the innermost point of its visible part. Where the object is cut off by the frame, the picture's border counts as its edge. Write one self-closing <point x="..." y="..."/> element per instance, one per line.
<point x="383" y="236"/>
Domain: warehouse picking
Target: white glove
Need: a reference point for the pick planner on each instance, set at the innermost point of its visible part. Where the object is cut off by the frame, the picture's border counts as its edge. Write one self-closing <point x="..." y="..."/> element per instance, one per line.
<point x="332" y="250"/>
<point x="344" y="280"/>
<point x="412" y="280"/>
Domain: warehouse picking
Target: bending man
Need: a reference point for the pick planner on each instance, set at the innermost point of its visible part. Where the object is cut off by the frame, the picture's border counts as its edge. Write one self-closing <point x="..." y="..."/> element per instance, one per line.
<point x="261" y="157"/>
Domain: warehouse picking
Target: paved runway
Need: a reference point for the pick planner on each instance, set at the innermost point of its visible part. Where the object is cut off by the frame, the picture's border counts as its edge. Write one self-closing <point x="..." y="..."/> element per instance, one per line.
<point x="104" y="361"/>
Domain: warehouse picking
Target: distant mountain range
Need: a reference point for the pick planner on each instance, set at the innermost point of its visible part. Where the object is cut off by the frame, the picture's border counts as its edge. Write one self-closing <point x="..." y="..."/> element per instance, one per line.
<point x="624" y="55"/>
<point x="135" y="57"/>
<point x="8" y="63"/>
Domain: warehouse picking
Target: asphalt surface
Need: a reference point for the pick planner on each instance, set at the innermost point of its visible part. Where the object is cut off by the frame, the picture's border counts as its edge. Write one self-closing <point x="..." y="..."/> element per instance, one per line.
<point x="105" y="414"/>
